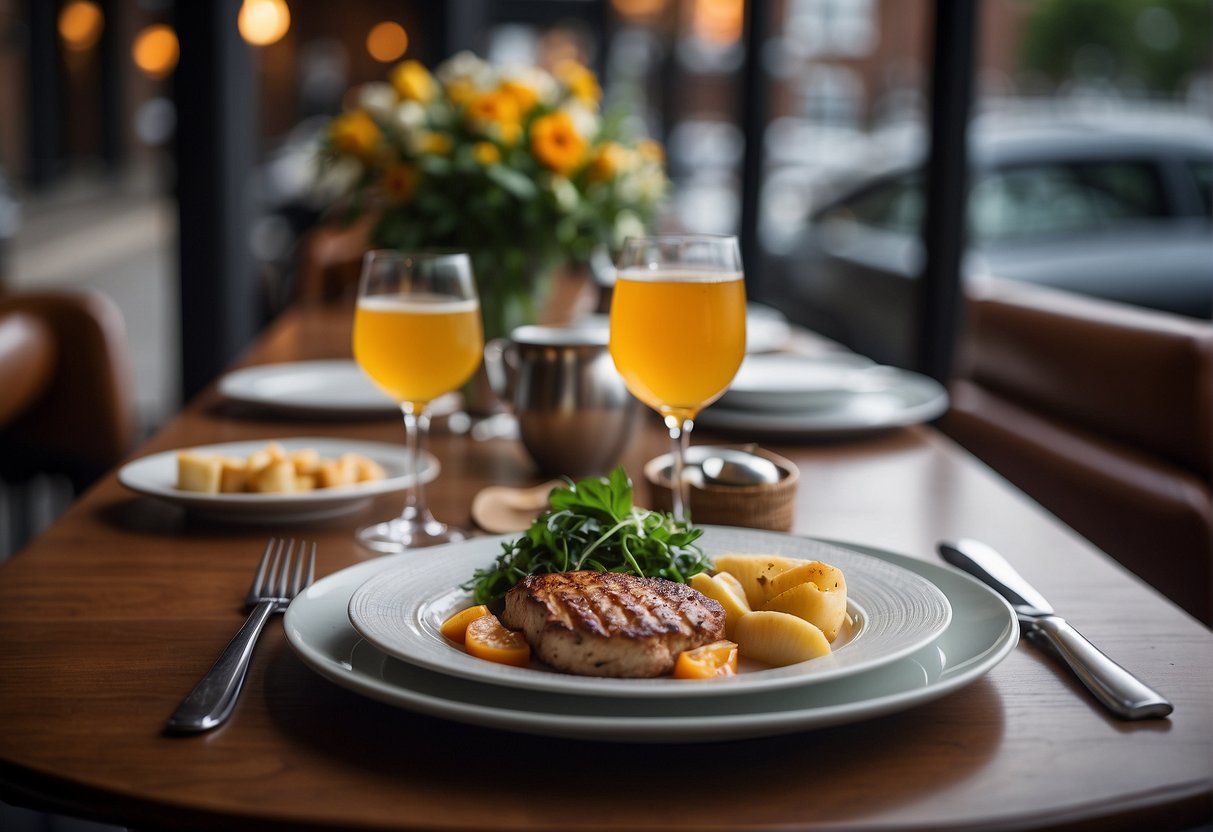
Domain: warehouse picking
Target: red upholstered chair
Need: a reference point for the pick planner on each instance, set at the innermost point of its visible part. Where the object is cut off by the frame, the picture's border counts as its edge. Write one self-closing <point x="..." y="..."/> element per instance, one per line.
<point x="1103" y="413"/>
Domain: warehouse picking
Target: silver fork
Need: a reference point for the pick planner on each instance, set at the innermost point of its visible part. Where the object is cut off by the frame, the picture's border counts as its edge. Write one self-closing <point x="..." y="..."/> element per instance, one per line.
<point x="211" y="701"/>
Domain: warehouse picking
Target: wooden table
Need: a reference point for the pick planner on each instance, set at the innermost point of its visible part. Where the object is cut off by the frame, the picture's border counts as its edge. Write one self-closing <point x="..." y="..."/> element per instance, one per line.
<point x="114" y="613"/>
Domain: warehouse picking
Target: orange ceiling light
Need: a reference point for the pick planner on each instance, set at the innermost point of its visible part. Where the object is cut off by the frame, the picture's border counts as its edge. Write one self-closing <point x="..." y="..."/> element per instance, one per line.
<point x="262" y="22"/>
<point x="718" y="21"/>
<point x="156" y="50"/>
<point x="80" y="25"/>
<point x="387" y="42"/>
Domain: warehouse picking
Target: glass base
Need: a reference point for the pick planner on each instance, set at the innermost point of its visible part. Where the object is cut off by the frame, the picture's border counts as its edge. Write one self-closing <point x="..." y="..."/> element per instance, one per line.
<point x="400" y="535"/>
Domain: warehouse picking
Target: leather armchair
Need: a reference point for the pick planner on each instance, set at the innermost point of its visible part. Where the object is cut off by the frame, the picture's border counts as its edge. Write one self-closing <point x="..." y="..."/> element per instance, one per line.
<point x="66" y="394"/>
<point x="1102" y="413"/>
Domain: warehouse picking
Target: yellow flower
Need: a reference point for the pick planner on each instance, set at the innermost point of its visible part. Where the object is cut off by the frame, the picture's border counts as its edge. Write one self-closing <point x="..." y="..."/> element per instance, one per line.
<point x="509" y="132"/>
<point x="556" y="143"/>
<point x="399" y="182"/>
<point x="355" y="133"/>
<point x="608" y="161"/>
<point x="580" y="81"/>
<point x="524" y="96"/>
<point x="436" y="144"/>
<point x="461" y="92"/>
<point x="412" y="82"/>
<point x="486" y="153"/>
<point x="651" y="151"/>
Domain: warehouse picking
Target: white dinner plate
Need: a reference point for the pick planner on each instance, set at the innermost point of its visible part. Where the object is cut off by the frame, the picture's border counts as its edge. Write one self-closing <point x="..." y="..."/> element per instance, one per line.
<point x="982" y="632"/>
<point x="901" y="398"/>
<point x="316" y="389"/>
<point x="156" y="476"/>
<point x="894" y="612"/>
<point x="799" y="382"/>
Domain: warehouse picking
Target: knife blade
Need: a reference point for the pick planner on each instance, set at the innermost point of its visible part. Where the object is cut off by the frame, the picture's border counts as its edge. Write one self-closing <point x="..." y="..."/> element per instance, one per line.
<point x="1120" y="691"/>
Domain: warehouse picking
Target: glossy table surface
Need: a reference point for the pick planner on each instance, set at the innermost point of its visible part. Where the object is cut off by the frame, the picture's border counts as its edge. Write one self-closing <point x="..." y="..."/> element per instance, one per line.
<point x="110" y="616"/>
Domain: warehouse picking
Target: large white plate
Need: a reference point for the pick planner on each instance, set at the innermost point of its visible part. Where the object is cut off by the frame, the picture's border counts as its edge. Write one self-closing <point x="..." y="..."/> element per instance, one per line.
<point x="903" y="398"/>
<point x="800" y="382"/>
<point x="894" y="612"/>
<point x="156" y="476"/>
<point x="982" y="632"/>
<point x="317" y="389"/>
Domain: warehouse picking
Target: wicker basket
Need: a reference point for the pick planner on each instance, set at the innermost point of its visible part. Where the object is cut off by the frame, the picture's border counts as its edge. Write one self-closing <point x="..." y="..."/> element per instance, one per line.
<point x="752" y="506"/>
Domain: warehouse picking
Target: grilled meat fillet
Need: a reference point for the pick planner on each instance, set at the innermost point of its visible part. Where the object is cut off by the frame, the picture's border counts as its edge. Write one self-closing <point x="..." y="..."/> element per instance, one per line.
<point x="610" y="624"/>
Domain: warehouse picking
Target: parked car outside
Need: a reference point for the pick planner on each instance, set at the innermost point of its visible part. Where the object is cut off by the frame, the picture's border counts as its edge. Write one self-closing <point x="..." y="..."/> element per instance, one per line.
<point x="1118" y="208"/>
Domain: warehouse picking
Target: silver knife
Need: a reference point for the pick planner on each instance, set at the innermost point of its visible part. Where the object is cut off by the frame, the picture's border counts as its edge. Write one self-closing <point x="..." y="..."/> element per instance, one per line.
<point x="1122" y="692"/>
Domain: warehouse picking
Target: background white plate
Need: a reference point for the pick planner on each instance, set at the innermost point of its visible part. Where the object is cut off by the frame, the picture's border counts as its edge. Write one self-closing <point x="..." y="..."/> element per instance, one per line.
<point x="797" y="382"/>
<point x="332" y="389"/>
<point x="983" y="631"/>
<point x="156" y="476"/>
<point x="312" y="387"/>
<point x="895" y="612"/>
<point x="907" y="399"/>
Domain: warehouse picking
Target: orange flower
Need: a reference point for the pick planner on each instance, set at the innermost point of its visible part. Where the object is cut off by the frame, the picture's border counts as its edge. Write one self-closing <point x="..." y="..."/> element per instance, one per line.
<point x="580" y="81"/>
<point x="399" y="182"/>
<point x="356" y="134"/>
<point x="412" y="81"/>
<point x="556" y="143"/>
<point x="524" y="97"/>
<point x="496" y="107"/>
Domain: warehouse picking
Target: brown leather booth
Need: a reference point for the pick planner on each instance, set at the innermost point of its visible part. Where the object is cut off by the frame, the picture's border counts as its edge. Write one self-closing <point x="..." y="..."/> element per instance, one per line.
<point x="66" y="395"/>
<point x="1103" y="413"/>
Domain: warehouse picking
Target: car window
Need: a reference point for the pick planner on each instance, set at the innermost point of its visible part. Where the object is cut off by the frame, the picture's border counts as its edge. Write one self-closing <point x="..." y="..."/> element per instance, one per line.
<point x="895" y="205"/>
<point x="1202" y="172"/>
<point x="1060" y="198"/>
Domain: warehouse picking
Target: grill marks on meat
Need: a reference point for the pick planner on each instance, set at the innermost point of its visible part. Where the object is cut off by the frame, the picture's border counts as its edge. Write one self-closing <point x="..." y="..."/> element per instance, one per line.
<point x="611" y="624"/>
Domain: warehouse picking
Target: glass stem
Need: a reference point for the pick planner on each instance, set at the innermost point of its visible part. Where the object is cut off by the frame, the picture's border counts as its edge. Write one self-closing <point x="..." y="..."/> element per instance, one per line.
<point x="416" y="429"/>
<point x="680" y="434"/>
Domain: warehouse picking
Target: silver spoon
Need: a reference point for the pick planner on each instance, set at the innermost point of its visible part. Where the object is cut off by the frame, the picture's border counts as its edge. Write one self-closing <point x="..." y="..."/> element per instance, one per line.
<point x="732" y="467"/>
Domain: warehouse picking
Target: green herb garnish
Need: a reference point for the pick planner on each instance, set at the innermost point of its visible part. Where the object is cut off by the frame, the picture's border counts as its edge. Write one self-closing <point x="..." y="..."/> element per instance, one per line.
<point x="592" y="524"/>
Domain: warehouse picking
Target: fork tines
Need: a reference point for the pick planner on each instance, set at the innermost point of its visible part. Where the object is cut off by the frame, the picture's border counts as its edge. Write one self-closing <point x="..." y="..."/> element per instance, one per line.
<point x="274" y="578"/>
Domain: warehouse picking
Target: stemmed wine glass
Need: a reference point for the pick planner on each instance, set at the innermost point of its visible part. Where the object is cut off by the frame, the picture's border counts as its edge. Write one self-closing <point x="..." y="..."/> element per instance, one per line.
<point x="418" y="335"/>
<point x="678" y="330"/>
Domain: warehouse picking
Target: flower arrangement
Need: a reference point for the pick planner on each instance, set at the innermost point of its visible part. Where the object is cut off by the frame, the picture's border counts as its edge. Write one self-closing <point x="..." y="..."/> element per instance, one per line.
<point x="519" y="167"/>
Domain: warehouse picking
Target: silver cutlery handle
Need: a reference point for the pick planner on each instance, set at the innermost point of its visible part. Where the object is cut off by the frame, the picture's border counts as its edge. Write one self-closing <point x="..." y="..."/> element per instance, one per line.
<point x="1122" y="692"/>
<point x="211" y="701"/>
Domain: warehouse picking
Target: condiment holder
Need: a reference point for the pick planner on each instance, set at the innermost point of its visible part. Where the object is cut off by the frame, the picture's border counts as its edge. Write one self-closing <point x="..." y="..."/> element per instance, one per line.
<point x="762" y="506"/>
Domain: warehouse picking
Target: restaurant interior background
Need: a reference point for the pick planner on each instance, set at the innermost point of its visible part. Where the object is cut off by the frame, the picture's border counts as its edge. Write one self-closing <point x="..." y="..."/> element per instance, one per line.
<point x="827" y="95"/>
<point x="836" y="97"/>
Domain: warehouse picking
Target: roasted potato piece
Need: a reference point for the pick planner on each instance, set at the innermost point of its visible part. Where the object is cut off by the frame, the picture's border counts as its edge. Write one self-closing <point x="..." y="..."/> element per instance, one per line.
<point x="754" y="572"/>
<point x="196" y="472"/>
<point x="779" y="638"/>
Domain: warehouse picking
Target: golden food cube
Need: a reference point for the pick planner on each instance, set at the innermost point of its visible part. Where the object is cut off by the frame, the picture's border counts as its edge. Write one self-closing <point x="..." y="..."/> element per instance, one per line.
<point x="196" y="472"/>
<point x="277" y="477"/>
<point x="233" y="476"/>
<point x="305" y="482"/>
<point x="365" y="468"/>
<point x="335" y="473"/>
<point x="305" y="460"/>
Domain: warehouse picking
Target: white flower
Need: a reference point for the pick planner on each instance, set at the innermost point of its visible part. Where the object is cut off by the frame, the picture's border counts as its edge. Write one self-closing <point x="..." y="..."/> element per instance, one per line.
<point x="565" y="193"/>
<point x="335" y="180"/>
<point x="585" y="120"/>
<point x="466" y="66"/>
<point x="378" y="99"/>
<point x="409" y="116"/>
<point x="627" y="225"/>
